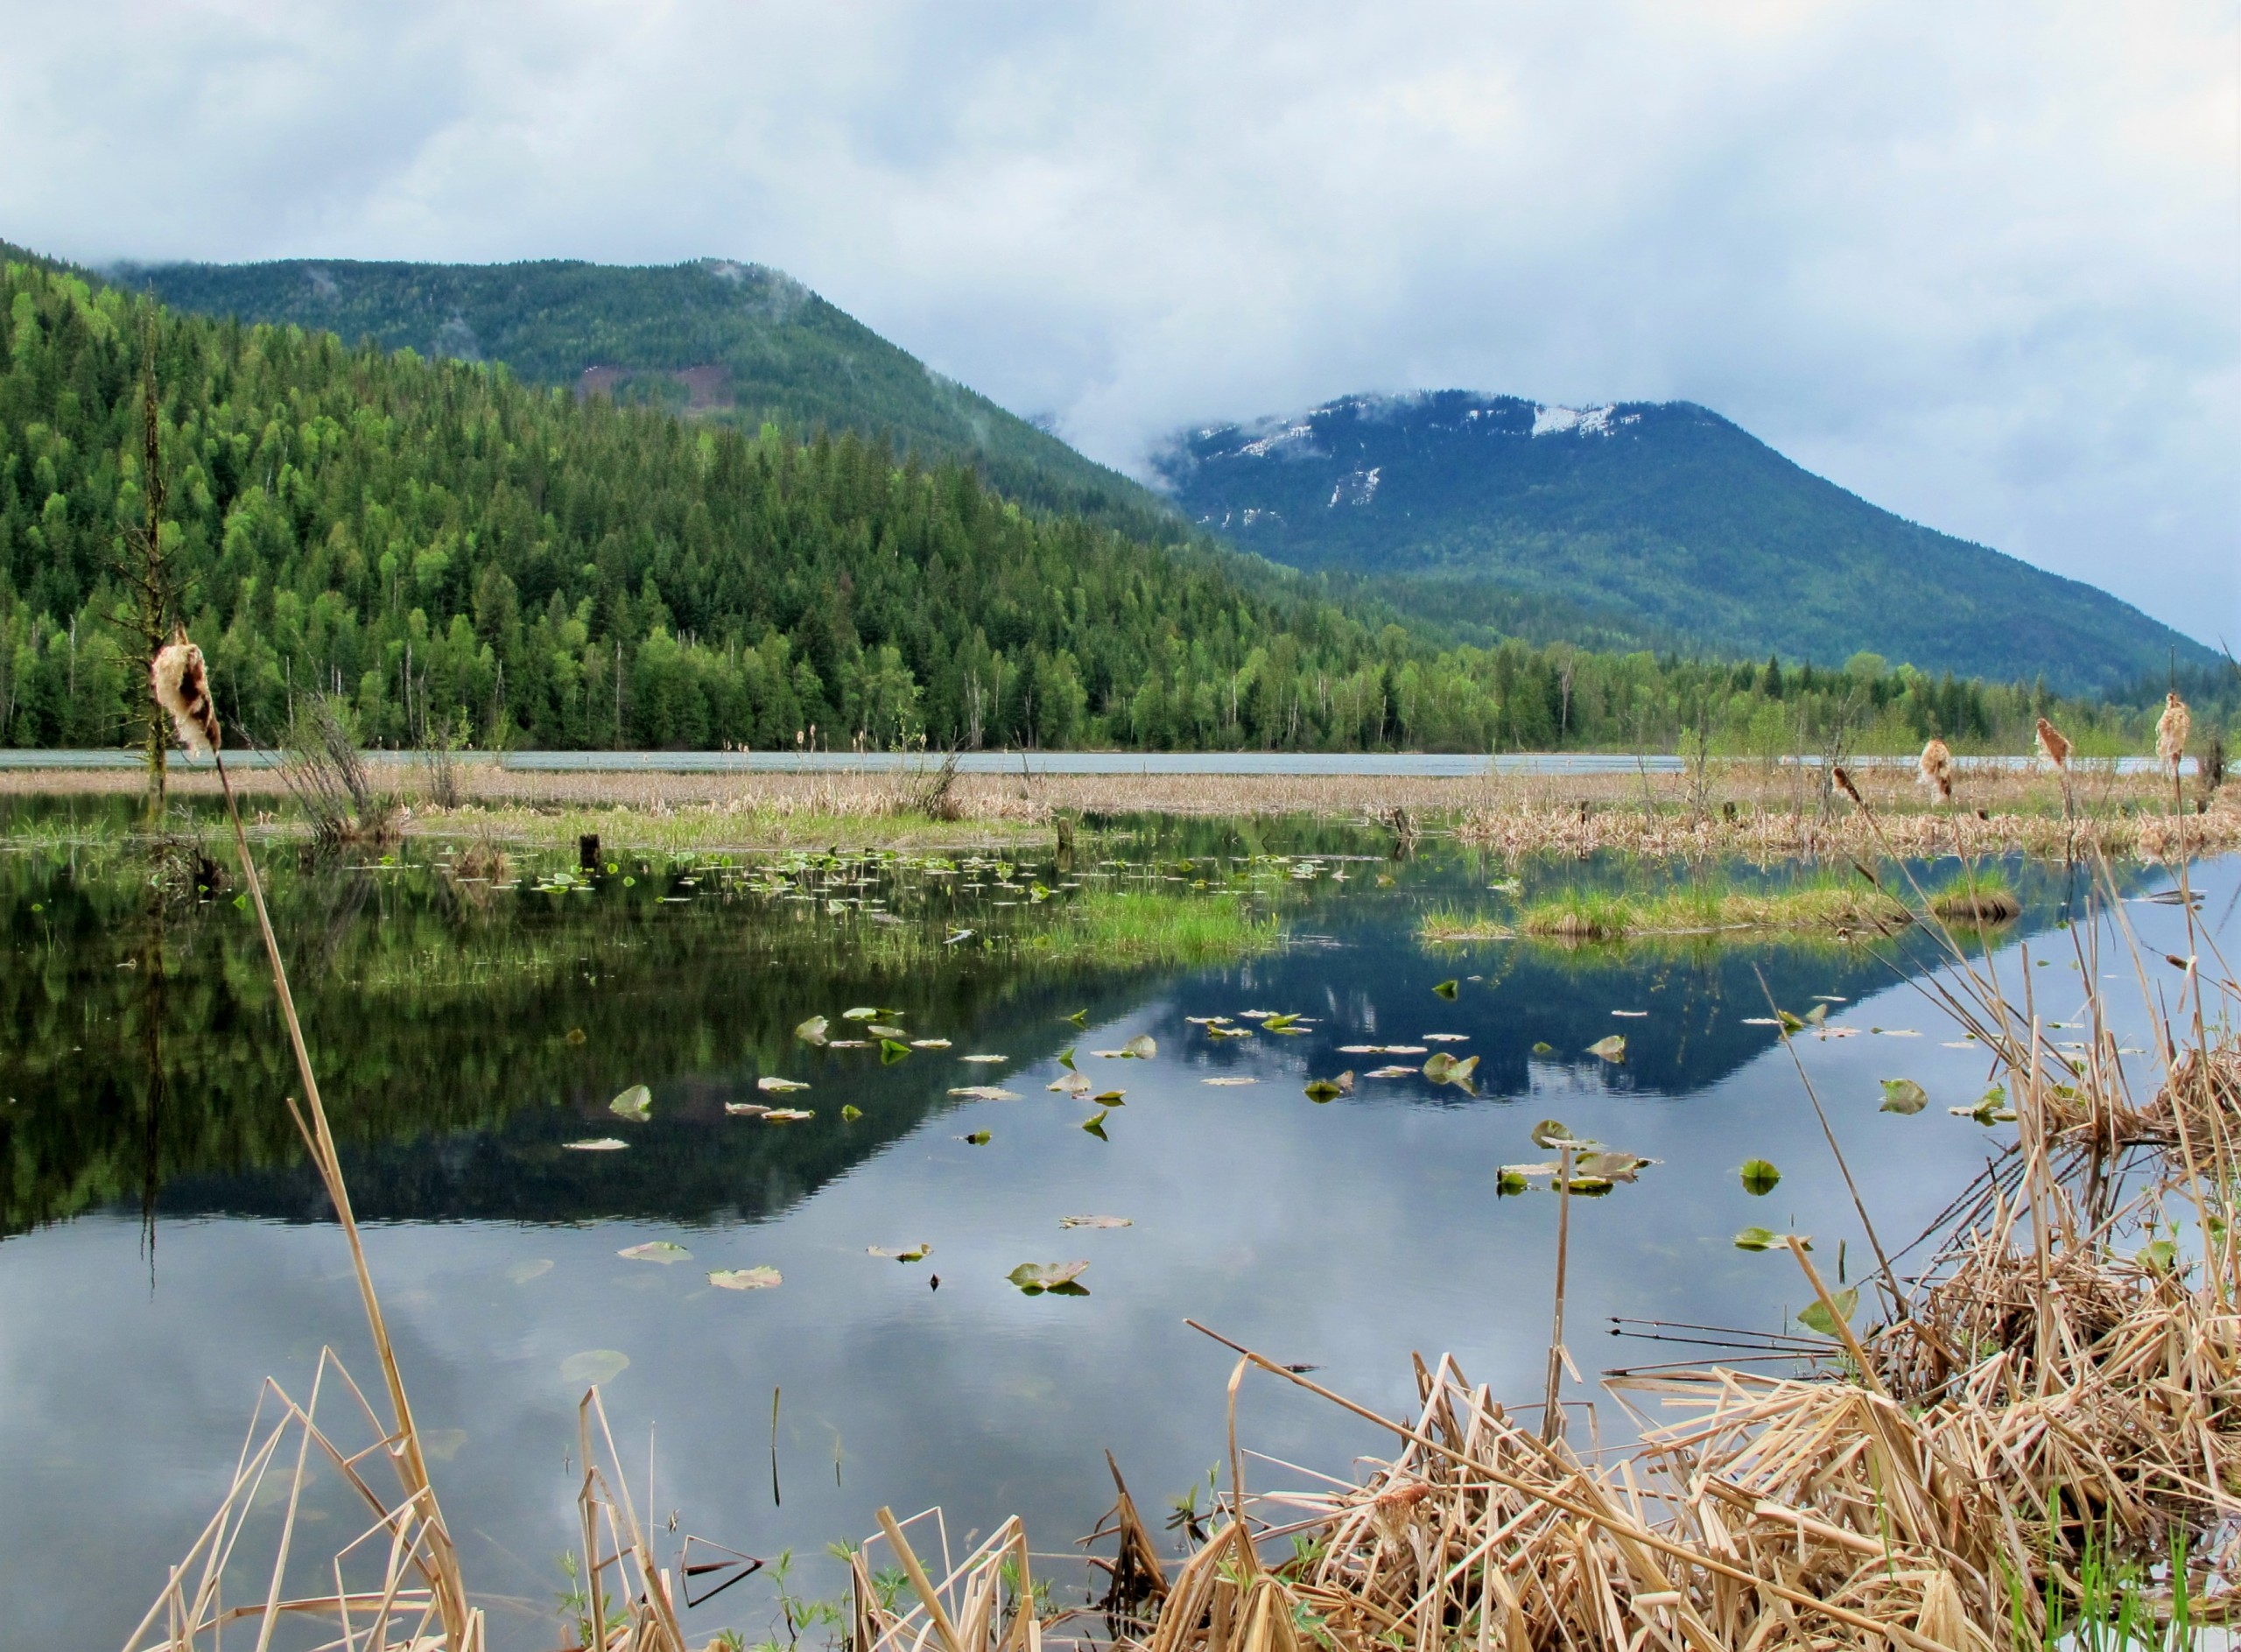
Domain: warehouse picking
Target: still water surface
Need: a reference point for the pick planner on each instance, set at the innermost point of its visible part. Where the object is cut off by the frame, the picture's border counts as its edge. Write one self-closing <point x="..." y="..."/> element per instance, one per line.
<point x="166" y="1249"/>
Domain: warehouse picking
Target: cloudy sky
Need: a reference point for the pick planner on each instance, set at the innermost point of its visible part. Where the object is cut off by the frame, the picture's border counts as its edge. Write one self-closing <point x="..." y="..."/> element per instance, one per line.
<point x="1981" y="263"/>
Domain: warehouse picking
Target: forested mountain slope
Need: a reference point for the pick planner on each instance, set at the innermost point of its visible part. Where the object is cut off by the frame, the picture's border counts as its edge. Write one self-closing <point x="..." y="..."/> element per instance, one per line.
<point x="1663" y="523"/>
<point x="448" y="550"/>
<point x="711" y="338"/>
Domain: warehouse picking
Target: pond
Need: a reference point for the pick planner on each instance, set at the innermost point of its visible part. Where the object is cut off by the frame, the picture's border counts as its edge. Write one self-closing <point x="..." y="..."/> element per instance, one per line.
<point x="167" y="1247"/>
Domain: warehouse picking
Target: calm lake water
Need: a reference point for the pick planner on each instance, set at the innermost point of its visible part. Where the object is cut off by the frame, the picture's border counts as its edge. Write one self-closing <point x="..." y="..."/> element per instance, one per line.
<point x="165" y="1248"/>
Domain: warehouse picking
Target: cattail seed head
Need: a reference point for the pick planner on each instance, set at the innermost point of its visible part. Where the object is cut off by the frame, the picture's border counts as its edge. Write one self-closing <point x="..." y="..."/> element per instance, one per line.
<point x="2171" y="731"/>
<point x="1844" y="784"/>
<point x="182" y="687"/>
<point x="1936" y="768"/>
<point x="2051" y="745"/>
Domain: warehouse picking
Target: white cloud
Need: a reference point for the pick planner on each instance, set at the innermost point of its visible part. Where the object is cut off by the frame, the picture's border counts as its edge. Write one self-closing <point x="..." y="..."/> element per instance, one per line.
<point x="1980" y="264"/>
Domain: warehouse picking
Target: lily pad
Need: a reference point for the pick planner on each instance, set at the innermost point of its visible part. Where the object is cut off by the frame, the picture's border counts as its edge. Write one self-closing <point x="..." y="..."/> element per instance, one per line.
<point x="1230" y="1079"/>
<point x="1611" y="1165"/>
<point x="1323" y="1090"/>
<point x="1095" y="1125"/>
<point x="746" y="1110"/>
<point x="1111" y="1098"/>
<point x="984" y="1061"/>
<point x="880" y="1031"/>
<point x="918" y="1253"/>
<point x="1448" y="989"/>
<point x="979" y="1138"/>
<point x="594" y="1366"/>
<point x="635" y="1104"/>
<point x="788" y="1116"/>
<point x="1445" y="1037"/>
<point x="1066" y="1057"/>
<point x="892" y="1050"/>
<point x="1095" y="1221"/>
<point x="812" y="1030"/>
<point x="1035" y="1277"/>
<point x="658" y="1251"/>
<point x="596" y="1144"/>
<point x="1755" y="1239"/>
<point x="1612" y="1048"/>
<point x="985" y="1092"/>
<point x="1816" y="1316"/>
<point x="1070" y="1083"/>
<point x="1142" y="1047"/>
<point x="1391" y="1073"/>
<point x="1759" y="1178"/>
<point x="1903" y="1095"/>
<point x="1553" y="1133"/>
<point x="930" y="1044"/>
<point x="746" y="1278"/>
<point x="777" y="1084"/>
<point x="1543" y="1047"/>
<point x="850" y="1113"/>
<point x="862" y="1012"/>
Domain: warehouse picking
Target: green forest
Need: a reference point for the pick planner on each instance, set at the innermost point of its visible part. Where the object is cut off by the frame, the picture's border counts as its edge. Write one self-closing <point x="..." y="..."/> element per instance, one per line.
<point x="459" y="556"/>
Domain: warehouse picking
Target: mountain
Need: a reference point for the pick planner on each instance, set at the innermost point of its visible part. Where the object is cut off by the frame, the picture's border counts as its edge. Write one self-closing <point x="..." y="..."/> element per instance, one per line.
<point x="710" y="339"/>
<point x="1661" y="524"/>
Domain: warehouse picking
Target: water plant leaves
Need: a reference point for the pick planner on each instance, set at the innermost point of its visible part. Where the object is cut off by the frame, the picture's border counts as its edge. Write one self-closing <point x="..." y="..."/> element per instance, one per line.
<point x="1095" y="1221"/>
<point x="862" y="1012"/>
<point x="635" y="1104"/>
<point x="1611" y="1165"/>
<point x="575" y="1035"/>
<point x="773" y="1083"/>
<point x="850" y="1113"/>
<point x="1070" y="1083"/>
<point x="1759" y="1178"/>
<point x="918" y="1253"/>
<point x="1755" y="1239"/>
<point x="880" y="1030"/>
<point x="812" y="1030"/>
<point x="1323" y="1090"/>
<point x="1066" y="1057"/>
<point x="892" y="1050"/>
<point x="1508" y="1181"/>
<point x="1391" y="1073"/>
<point x="1543" y="1047"/>
<point x="1440" y="1067"/>
<point x="596" y="1144"/>
<point x="788" y="1116"/>
<point x="1788" y="1022"/>
<point x="984" y="1060"/>
<point x="1281" y="1024"/>
<point x="1991" y="1108"/>
<point x="2159" y="1256"/>
<point x="1111" y="1098"/>
<point x="660" y="1250"/>
<point x="1903" y="1096"/>
<point x="1612" y="1048"/>
<point x="1080" y="1017"/>
<point x="1236" y="1078"/>
<point x="1448" y="989"/>
<point x="746" y="1110"/>
<point x="1816" y="1316"/>
<point x="1553" y="1133"/>
<point x="985" y="1092"/>
<point x="1142" y="1047"/>
<point x="1095" y="1125"/>
<point x="594" y="1366"/>
<point x="1444" y="1037"/>
<point x="979" y="1138"/>
<point x="746" y="1278"/>
<point x="930" y="1044"/>
<point x="1035" y="1277"/>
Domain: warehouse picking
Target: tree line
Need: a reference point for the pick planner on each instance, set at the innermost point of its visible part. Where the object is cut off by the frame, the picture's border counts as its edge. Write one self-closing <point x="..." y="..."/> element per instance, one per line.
<point x="456" y="556"/>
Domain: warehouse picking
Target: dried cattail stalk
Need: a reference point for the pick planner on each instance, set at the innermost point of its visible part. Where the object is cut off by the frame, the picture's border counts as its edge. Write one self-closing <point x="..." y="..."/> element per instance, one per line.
<point x="182" y="687"/>
<point x="2171" y="731"/>
<point x="1844" y="784"/>
<point x="1937" y="769"/>
<point x="2051" y="745"/>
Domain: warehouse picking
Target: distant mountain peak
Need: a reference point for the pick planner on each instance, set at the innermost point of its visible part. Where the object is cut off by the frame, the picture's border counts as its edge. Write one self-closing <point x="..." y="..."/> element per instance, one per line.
<point x="1637" y="524"/>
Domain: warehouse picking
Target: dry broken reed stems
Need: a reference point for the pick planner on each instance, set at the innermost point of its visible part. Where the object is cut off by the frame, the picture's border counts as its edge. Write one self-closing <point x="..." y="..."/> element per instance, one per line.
<point x="419" y="1541"/>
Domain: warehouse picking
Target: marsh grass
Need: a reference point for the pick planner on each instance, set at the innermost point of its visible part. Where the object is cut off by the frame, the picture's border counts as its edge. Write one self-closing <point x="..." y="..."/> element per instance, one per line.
<point x="1132" y="927"/>
<point x="1977" y="895"/>
<point x="1826" y="905"/>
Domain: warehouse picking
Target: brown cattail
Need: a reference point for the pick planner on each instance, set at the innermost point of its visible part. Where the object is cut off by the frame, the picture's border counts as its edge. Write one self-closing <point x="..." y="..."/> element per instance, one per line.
<point x="2171" y="731"/>
<point x="1844" y="784"/>
<point x="2051" y="745"/>
<point x="182" y="688"/>
<point x="1936" y="767"/>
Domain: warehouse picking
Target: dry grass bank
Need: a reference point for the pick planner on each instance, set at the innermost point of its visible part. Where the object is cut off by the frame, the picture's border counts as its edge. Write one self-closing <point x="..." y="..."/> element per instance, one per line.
<point x="1741" y="810"/>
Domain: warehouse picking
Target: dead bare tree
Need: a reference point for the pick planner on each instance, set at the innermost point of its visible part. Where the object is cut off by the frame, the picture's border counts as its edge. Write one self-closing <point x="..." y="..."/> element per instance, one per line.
<point x="142" y="565"/>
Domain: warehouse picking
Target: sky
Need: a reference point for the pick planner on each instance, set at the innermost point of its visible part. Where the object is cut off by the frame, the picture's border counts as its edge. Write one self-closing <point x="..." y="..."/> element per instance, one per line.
<point x="1981" y="263"/>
